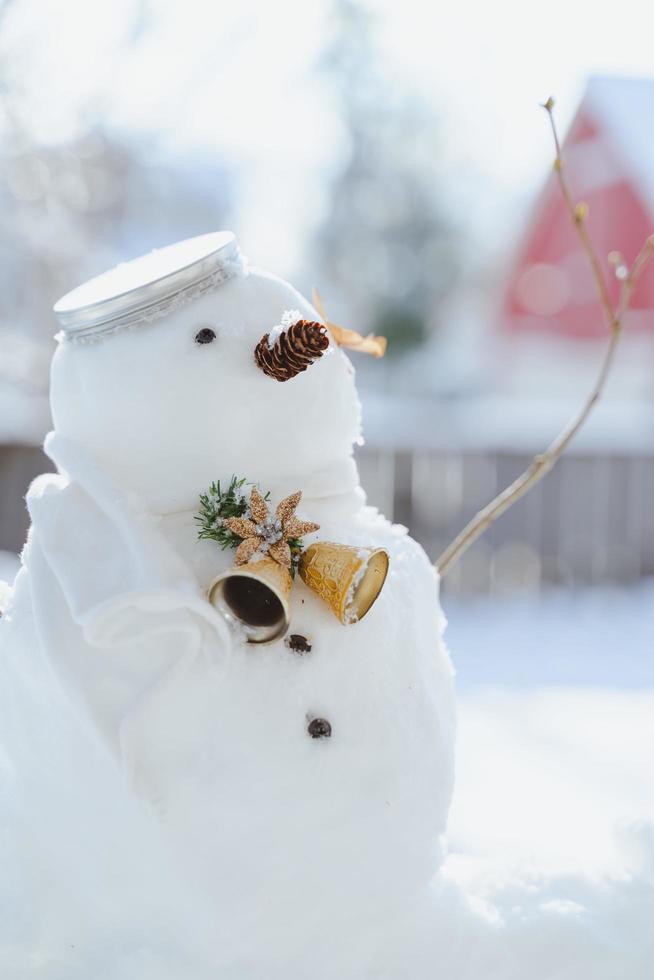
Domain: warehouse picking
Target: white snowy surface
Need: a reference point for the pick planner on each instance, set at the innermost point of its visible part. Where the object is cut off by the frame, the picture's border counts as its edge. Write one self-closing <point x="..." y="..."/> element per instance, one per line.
<point x="587" y="637"/>
<point x="427" y="422"/>
<point x="551" y="841"/>
<point x="164" y="812"/>
<point x="556" y="724"/>
<point x="552" y="821"/>
<point x="552" y="777"/>
<point x="9" y="565"/>
<point x="126" y="703"/>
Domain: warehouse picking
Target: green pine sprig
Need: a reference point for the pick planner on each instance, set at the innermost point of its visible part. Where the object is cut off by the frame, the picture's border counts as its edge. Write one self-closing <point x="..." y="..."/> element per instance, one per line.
<point x="216" y="505"/>
<point x="297" y="547"/>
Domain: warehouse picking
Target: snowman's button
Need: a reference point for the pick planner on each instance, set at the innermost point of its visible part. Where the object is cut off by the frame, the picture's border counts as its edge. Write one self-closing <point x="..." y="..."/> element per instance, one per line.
<point x="298" y="643"/>
<point x="319" y="728"/>
<point x="205" y="336"/>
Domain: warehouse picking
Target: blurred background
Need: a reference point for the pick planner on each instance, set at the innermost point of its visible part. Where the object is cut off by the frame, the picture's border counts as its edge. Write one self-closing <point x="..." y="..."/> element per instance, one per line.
<point x="394" y="155"/>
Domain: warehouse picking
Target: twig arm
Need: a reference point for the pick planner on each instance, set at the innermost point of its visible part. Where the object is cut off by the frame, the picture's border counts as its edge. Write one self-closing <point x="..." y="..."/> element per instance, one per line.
<point x="543" y="463"/>
<point x="537" y="469"/>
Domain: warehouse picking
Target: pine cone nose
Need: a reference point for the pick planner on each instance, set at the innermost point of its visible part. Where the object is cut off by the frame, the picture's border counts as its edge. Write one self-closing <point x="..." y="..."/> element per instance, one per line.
<point x="298" y="346"/>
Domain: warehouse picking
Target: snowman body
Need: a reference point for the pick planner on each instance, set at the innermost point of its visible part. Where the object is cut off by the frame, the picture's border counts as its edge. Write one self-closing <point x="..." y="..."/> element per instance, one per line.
<point x="290" y="832"/>
<point x="178" y="754"/>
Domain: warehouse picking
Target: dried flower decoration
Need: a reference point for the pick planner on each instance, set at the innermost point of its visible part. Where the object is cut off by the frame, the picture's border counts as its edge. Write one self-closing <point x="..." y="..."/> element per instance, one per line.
<point x="232" y="520"/>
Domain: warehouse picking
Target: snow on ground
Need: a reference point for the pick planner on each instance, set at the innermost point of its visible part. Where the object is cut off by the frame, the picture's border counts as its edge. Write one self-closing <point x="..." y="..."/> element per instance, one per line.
<point x="596" y="637"/>
<point x="9" y="565"/>
<point x="553" y="777"/>
<point x="556" y="726"/>
<point x="552" y="825"/>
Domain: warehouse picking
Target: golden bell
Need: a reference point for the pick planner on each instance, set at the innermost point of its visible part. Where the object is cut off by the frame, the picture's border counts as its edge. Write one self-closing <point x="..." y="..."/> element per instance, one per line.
<point x="348" y="578"/>
<point x="254" y="596"/>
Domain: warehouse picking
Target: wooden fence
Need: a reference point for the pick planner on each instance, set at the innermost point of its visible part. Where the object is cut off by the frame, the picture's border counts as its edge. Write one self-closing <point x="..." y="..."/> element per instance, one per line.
<point x="590" y="521"/>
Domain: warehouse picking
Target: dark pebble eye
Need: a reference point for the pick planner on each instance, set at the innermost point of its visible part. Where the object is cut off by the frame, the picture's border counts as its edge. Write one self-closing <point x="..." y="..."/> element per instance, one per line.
<point x="205" y="336"/>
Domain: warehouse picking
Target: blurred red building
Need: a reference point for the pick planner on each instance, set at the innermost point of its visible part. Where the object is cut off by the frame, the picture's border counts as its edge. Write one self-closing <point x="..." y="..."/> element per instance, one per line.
<point x="609" y="158"/>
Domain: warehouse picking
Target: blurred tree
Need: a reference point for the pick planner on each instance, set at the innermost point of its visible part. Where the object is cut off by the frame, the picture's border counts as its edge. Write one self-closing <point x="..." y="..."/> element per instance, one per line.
<point x="70" y="210"/>
<point x="386" y="245"/>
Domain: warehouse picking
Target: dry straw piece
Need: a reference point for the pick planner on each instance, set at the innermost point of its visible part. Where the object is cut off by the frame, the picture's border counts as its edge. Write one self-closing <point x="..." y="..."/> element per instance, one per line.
<point x="345" y="337"/>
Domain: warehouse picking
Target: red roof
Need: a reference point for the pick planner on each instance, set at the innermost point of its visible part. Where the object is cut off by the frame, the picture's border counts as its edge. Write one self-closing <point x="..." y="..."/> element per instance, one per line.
<point x="609" y="156"/>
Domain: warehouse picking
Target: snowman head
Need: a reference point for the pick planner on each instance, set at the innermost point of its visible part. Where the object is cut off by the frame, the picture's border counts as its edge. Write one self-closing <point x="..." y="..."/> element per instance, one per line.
<point x="170" y="397"/>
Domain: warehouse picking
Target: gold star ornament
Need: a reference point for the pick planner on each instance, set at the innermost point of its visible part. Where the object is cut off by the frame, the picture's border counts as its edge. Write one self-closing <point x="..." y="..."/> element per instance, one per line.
<point x="269" y="534"/>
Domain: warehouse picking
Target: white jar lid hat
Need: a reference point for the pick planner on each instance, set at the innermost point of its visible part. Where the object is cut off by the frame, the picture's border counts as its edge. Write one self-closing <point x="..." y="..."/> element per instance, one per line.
<point x="149" y="287"/>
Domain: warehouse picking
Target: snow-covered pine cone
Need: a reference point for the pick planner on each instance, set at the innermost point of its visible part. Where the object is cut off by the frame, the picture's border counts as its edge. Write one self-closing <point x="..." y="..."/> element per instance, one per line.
<point x="297" y="346"/>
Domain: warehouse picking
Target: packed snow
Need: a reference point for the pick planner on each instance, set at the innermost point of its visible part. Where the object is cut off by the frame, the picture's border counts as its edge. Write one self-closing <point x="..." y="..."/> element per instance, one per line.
<point x="592" y="637"/>
<point x="165" y="812"/>
<point x="9" y="565"/>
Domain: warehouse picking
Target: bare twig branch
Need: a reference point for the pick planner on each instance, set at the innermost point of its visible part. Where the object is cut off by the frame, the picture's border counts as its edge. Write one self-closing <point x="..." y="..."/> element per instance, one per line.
<point x="543" y="463"/>
<point x="578" y="213"/>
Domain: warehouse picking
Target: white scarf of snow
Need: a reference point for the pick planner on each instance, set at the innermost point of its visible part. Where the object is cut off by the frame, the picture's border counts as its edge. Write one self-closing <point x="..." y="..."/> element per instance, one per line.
<point x="117" y="610"/>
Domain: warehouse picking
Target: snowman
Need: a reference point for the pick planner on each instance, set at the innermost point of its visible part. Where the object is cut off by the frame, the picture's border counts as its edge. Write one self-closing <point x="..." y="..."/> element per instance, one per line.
<point x="178" y="788"/>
